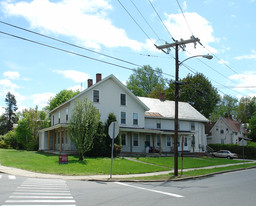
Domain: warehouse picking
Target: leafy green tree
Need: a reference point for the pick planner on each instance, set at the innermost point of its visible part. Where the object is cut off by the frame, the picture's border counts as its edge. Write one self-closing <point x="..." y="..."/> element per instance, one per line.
<point x="99" y="143"/>
<point x="10" y="110"/>
<point x="11" y="140"/>
<point x="144" y="80"/>
<point x="252" y="127"/>
<point x="246" y="108"/>
<point x="198" y="91"/>
<point x="60" y="98"/>
<point x="3" y="124"/>
<point x="111" y="118"/>
<point x="227" y="104"/>
<point x="27" y="131"/>
<point x="83" y="125"/>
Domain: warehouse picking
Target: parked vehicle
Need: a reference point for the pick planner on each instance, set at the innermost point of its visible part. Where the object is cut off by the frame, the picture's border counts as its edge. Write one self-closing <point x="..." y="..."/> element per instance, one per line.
<point x="225" y="154"/>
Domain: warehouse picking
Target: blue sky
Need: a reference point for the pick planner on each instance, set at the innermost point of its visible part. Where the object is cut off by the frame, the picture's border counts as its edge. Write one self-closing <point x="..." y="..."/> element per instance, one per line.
<point x="34" y="73"/>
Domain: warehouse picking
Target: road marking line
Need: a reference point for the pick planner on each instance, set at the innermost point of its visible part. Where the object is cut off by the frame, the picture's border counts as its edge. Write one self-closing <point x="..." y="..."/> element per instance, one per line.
<point x="37" y="205"/>
<point x="0" y="176"/>
<point x="41" y="201"/>
<point x="40" y="193"/>
<point x="150" y="190"/>
<point x="11" y="177"/>
<point x="41" y="197"/>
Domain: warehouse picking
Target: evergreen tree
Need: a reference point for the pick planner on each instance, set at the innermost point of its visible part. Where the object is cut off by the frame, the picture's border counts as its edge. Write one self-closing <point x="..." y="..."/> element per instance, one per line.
<point x="10" y="110"/>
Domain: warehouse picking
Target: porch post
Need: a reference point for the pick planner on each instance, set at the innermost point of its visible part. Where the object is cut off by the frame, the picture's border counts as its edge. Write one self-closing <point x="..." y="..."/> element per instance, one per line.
<point x="193" y="143"/>
<point x="54" y="139"/>
<point x="48" y="139"/>
<point x="60" y="140"/>
<point x="131" y="142"/>
<point x="153" y="135"/>
<point x="160" y="143"/>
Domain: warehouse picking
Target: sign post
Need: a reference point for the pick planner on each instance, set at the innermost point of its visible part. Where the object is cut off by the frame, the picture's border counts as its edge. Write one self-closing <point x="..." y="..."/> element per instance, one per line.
<point x="113" y="131"/>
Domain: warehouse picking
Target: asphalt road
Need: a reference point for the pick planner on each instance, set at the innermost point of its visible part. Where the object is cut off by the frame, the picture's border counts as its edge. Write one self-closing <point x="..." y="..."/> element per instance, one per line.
<point x="229" y="189"/>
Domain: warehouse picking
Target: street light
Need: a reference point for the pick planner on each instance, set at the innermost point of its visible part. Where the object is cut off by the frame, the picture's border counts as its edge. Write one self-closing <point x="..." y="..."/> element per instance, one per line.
<point x="176" y="118"/>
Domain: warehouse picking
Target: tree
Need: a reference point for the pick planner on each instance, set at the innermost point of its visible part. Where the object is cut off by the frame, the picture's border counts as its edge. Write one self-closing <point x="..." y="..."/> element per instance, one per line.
<point x="83" y="125"/>
<point x="10" y="110"/>
<point x="3" y="124"/>
<point x="227" y="104"/>
<point x="144" y="80"/>
<point x="246" y="108"/>
<point x="111" y="118"/>
<point x="252" y="127"/>
<point x="28" y="126"/>
<point x="60" y="98"/>
<point x="198" y="91"/>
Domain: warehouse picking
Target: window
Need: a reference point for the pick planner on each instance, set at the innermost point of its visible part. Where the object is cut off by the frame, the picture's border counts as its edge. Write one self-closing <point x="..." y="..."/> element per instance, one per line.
<point x="158" y="125"/>
<point x="168" y="142"/>
<point x="186" y="142"/>
<point x="147" y="142"/>
<point x="52" y="119"/>
<point x="123" y="118"/>
<point x="135" y="140"/>
<point x="193" y="126"/>
<point x="123" y="139"/>
<point x="123" y="99"/>
<point x="96" y="96"/>
<point x="59" y="118"/>
<point x="158" y="140"/>
<point x="135" y="118"/>
<point x="222" y="131"/>
<point x="67" y="114"/>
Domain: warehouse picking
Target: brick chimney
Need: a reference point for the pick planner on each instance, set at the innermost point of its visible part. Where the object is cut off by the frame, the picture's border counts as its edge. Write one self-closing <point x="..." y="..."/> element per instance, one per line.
<point x="90" y="82"/>
<point x="162" y="97"/>
<point x="98" y="77"/>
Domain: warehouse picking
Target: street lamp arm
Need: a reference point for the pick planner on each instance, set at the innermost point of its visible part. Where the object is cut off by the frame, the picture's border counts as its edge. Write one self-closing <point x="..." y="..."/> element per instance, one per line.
<point x="204" y="56"/>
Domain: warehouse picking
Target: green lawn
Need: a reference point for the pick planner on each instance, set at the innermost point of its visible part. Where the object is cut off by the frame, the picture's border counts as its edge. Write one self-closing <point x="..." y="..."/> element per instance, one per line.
<point x="188" y="162"/>
<point x="47" y="163"/>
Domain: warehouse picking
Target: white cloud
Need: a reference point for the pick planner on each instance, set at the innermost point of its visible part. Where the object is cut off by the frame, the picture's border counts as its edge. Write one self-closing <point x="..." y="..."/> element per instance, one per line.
<point x="223" y="62"/>
<point x="200" y="27"/>
<point x="248" y="56"/>
<point x="11" y="75"/>
<point x="74" y="75"/>
<point x="42" y="99"/>
<point x="84" y="20"/>
<point x="77" y="88"/>
<point x="246" y="81"/>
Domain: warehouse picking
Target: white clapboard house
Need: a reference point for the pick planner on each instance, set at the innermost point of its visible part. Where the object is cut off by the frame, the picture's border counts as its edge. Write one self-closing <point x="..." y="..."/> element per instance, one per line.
<point x="146" y="124"/>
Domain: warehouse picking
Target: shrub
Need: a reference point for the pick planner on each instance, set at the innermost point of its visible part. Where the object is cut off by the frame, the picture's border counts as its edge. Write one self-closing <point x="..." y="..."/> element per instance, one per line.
<point x="3" y="145"/>
<point x="11" y="140"/>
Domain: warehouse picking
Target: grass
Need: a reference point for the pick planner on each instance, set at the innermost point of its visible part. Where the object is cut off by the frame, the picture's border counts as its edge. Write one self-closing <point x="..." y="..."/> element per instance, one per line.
<point x="47" y="163"/>
<point x="188" y="162"/>
<point x="193" y="173"/>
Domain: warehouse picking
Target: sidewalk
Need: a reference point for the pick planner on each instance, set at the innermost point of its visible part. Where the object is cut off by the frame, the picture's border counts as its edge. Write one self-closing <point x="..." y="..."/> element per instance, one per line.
<point x="25" y="173"/>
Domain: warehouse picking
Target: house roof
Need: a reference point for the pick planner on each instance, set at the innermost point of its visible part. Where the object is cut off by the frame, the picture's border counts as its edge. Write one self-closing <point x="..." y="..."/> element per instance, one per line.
<point x="117" y="81"/>
<point x="165" y="109"/>
<point x="234" y="125"/>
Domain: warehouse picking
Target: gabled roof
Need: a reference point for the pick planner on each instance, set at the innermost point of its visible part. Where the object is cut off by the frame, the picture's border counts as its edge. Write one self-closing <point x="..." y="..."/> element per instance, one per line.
<point x="166" y="109"/>
<point x="117" y="81"/>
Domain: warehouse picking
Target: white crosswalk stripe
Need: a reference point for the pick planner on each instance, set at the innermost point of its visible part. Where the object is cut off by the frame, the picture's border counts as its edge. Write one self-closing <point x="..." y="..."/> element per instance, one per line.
<point x="41" y="192"/>
<point x="10" y="177"/>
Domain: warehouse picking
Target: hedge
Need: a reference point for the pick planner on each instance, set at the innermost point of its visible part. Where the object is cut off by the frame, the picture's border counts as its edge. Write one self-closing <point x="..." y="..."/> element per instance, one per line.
<point x="249" y="151"/>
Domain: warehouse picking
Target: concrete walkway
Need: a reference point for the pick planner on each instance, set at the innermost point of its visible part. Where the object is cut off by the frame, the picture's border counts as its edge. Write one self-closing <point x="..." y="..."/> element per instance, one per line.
<point x="25" y="173"/>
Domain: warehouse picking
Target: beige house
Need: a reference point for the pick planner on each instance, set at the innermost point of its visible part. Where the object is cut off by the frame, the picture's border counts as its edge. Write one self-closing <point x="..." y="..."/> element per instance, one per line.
<point x="146" y="124"/>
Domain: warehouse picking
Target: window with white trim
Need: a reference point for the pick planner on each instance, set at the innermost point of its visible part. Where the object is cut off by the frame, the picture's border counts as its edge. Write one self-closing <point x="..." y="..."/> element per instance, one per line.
<point x="123" y="99"/>
<point x="59" y="118"/>
<point x="193" y="127"/>
<point x="135" y="118"/>
<point x="67" y="114"/>
<point x="123" y="139"/>
<point x="168" y="141"/>
<point x="52" y="119"/>
<point x="96" y="96"/>
<point x="135" y="140"/>
<point x="123" y="117"/>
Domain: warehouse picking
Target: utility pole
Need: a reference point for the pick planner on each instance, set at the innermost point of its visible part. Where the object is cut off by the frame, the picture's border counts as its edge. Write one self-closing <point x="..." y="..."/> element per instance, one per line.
<point x="182" y="43"/>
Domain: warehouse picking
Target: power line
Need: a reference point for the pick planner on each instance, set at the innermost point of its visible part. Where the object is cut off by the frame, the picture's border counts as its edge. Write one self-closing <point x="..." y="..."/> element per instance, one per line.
<point x="184" y="17"/>
<point x="64" y="42"/>
<point x="135" y="21"/>
<point x="161" y="20"/>
<point x="74" y="53"/>
<point x="145" y="19"/>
